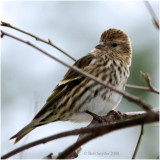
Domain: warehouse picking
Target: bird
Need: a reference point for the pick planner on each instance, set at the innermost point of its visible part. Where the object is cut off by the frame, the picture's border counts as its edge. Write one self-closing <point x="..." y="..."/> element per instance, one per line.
<point x="76" y="94"/>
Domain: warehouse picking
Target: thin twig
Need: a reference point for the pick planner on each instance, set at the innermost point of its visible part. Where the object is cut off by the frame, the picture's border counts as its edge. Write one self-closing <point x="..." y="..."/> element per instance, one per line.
<point x="4" y="24"/>
<point x="101" y="129"/>
<point x="143" y="88"/>
<point x="148" y="80"/>
<point x="140" y="112"/>
<point x="130" y="97"/>
<point x="154" y="17"/>
<point x="138" y="143"/>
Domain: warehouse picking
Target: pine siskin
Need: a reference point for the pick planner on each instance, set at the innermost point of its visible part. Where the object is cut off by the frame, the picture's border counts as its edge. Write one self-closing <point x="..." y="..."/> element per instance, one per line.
<point x="75" y="94"/>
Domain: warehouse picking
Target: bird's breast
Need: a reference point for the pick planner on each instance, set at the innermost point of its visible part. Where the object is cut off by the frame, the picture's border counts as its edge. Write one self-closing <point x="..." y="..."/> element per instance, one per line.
<point x="98" y="99"/>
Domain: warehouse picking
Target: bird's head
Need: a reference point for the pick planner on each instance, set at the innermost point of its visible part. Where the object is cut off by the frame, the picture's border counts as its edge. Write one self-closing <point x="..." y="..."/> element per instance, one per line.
<point x="116" y="44"/>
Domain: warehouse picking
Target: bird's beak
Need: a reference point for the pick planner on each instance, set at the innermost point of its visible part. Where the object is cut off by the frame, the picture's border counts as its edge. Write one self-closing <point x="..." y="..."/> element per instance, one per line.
<point x="100" y="45"/>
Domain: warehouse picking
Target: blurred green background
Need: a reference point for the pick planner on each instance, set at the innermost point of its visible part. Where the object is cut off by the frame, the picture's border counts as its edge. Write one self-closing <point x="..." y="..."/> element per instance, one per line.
<point x="28" y="77"/>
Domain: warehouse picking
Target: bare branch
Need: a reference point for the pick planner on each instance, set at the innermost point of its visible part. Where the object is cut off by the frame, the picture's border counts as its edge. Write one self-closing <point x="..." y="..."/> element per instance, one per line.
<point x="118" y="125"/>
<point x="143" y="88"/>
<point x="139" y="112"/>
<point x="4" y="24"/>
<point x="126" y="95"/>
<point x="110" y="117"/>
<point x="154" y="17"/>
<point x="133" y="120"/>
<point x="148" y="80"/>
<point x="138" y="143"/>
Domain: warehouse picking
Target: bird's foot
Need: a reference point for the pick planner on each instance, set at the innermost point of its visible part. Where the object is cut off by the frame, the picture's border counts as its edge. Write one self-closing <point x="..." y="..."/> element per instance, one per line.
<point x="96" y="117"/>
<point x="115" y="115"/>
<point x="110" y="117"/>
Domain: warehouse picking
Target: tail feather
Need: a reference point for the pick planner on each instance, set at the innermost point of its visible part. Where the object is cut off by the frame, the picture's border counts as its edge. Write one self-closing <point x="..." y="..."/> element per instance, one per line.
<point x="23" y="132"/>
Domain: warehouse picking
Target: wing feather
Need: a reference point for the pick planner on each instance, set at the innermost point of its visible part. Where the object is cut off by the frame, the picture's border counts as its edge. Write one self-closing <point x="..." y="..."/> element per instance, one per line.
<point x="70" y="80"/>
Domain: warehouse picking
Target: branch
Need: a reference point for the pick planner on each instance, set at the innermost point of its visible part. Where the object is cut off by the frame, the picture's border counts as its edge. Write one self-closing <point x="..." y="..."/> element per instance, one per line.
<point x="148" y="80"/>
<point x="143" y="88"/>
<point x="114" y="126"/>
<point x="139" y="140"/>
<point x="154" y="17"/>
<point x="134" y="119"/>
<point x="4" y="24"/>
<point x="110" y="117"/>
<point x="126" y="95"/>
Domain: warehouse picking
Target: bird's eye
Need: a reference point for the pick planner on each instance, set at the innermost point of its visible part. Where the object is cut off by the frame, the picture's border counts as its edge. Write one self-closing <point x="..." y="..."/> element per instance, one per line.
<point x="114" y="44"/>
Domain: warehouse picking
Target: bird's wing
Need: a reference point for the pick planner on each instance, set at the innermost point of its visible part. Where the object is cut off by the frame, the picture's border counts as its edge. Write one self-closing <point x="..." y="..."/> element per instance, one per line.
<point x="70" y="77"/>
<point x="70" y="80"/>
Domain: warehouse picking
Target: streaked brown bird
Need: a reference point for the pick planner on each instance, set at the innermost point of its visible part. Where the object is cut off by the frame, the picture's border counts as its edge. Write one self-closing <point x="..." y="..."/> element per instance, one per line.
<point x="75" y="94"/>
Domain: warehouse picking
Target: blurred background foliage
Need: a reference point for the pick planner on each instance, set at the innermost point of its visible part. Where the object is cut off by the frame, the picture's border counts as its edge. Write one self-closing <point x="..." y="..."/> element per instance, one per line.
<point x="28" y="77"/>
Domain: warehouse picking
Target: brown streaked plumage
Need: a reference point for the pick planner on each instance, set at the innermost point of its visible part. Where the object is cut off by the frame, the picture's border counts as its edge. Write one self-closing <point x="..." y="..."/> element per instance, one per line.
<point x="75" y="94"/>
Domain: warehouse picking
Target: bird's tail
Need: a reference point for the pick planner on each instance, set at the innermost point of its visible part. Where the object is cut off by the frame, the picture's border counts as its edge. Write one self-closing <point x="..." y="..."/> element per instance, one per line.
<point x="23" y="132"/>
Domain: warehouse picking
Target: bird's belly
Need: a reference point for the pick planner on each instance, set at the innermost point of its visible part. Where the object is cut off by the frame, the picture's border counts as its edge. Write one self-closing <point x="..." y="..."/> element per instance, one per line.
<point x="101" y="104"/>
